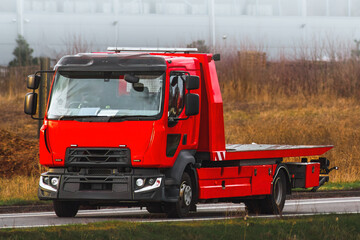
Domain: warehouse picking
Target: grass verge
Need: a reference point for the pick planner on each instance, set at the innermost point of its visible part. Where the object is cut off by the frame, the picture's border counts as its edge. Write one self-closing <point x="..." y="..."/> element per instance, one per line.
<point x="335" y="186"/>
<point x="345" y="226"/>
<point x="341" y="186"/>
<point x="19" y="190"/>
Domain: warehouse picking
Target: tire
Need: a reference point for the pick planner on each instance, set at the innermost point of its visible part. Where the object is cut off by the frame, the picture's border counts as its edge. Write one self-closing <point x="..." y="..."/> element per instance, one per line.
<point x="253" y="206"/>
<point x="186" y="199"/>
<point x="65" y="208"/>
<point x="274" y="203"/>
<point x="154" y="208"/>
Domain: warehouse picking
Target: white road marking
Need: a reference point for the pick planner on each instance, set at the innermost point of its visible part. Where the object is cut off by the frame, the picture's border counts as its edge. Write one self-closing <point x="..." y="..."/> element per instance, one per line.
<point x="34" y="226"/>
<point x="322" y="202"/>
<point x="81" y="212"/>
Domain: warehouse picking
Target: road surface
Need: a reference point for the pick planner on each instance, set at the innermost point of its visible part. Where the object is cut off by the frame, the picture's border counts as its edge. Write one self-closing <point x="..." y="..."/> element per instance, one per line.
<point x="205" y="212"/>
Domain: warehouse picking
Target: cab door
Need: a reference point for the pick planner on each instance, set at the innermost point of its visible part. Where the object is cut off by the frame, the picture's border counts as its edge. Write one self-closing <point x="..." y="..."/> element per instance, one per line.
<point x="182" y="131"/>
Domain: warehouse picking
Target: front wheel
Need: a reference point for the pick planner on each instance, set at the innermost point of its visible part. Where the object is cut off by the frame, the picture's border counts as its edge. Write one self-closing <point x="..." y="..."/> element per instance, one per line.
<point x="186" y="195"/>
<point x="65" y="208"/>
<point x="155" y="208"/>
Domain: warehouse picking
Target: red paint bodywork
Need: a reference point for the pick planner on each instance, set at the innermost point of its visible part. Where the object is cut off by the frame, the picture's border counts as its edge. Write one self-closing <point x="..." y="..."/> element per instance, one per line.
<point x="234" y="181"/>
<point x="205" y="134"/>
<point x="312" y="175"/>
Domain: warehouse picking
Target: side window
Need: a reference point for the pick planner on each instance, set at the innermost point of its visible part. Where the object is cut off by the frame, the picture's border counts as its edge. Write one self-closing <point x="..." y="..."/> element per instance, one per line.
<point x="176" y="95"/>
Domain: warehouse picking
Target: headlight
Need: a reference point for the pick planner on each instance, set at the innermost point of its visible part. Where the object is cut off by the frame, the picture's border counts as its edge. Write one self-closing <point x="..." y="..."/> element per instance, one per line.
<point x="54" y="181"/>
<point x="140" y="182"/>
<point x="151" y="181"/>
<point x="46" y="180"/>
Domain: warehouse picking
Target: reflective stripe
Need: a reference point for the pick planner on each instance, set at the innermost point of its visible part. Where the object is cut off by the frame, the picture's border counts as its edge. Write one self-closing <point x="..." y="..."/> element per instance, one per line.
<point x="219" y="155"/>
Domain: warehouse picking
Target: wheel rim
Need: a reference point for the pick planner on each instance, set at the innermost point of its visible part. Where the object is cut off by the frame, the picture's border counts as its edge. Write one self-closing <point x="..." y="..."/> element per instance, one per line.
<point x="186" y="193"/>
<point x="278" y="191"/>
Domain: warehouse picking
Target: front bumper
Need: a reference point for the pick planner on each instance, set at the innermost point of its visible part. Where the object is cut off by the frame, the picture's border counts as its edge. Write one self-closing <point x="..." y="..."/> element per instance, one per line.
<point x="106" y="188"/>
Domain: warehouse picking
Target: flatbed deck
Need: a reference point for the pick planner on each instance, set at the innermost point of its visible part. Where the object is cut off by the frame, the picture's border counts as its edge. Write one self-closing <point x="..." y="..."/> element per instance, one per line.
<point x="266" y="151"/>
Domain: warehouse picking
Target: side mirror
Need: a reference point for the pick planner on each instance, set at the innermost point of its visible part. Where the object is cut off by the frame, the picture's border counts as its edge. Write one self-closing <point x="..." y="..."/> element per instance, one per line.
<point x="192" y="103"/>
<point x="192" y="82"/>
<point x="30" y="103"/>
<point x="216" y="57"/>
<point x="131" y="78"/>
<point x="33" y="81"/>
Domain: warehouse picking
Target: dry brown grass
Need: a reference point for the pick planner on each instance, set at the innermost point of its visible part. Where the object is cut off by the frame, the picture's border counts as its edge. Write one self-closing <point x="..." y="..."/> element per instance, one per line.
<point x="18" y="188"/>
<point x="246" y="76"/>
<point x="18" y="156"/>
<point x="300" y="121"/>
<point x="13" y="119"/>
<point x="12" y="92"/>
<point x="18" y="132"/>
<point x="13" y="81"/>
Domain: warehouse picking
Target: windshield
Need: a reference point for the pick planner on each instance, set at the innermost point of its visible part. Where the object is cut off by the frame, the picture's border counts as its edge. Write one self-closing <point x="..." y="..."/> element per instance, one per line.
<point x="105" y="94"/>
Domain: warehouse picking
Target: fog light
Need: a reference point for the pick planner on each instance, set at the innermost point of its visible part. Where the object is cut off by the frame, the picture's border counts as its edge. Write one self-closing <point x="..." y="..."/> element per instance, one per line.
<point x="140" y="182"/>
<point x="46" y="180"/>
<point x="54" y="181"/>
<point x="151" y="181"/>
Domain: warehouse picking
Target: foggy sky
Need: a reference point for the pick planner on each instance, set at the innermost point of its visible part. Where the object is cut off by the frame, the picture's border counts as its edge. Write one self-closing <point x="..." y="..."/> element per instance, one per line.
<point x="52" y="27"/>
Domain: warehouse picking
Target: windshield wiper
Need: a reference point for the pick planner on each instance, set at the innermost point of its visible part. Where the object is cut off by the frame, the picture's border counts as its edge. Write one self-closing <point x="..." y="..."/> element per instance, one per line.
<point x="121" y="118"/>
<point x="78" y="118"/>
<point x="65" y="117"/>
<point x="106" y="118"/>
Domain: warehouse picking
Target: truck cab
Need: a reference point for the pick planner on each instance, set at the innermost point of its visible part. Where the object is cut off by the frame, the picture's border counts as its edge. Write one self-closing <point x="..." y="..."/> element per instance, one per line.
<point x="146" y="128"/>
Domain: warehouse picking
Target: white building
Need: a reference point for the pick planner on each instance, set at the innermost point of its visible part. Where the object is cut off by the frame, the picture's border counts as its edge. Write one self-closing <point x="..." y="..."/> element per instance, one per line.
<point x="50" y="26"/>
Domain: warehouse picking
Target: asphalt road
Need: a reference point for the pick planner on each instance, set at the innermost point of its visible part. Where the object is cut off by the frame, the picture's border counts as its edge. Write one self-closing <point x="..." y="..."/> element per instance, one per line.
<point x="205" y="212"/>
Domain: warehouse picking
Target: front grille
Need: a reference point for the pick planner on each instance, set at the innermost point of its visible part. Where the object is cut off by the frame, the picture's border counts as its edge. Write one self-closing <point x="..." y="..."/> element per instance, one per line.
<point x="95" y="186"/>
<point x="97" y="157"/>
<point x="76" y="184"/>
<point x="97" y="171"/>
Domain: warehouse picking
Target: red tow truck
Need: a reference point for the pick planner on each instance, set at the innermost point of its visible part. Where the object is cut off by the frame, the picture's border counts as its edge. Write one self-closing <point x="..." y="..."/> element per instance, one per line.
<point x="144" y="127"/>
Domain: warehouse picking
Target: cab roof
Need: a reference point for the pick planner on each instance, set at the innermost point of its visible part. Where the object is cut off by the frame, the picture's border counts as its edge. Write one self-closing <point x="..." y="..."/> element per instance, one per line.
<point x="111" y="62"/>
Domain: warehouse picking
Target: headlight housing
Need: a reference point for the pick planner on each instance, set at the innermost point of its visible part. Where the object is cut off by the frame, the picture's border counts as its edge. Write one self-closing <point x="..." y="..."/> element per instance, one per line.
<point x="49" y="182"/>
<point x="148" y="184"/>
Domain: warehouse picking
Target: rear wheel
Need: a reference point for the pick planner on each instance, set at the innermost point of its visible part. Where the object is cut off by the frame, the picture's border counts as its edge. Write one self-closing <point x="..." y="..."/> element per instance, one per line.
<point x="271" y="204"/>
<point x="182" y="207"/>
<point x="65" y="208"/>
<point x="253" y="206"/>
<point x="274" y="203"/>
